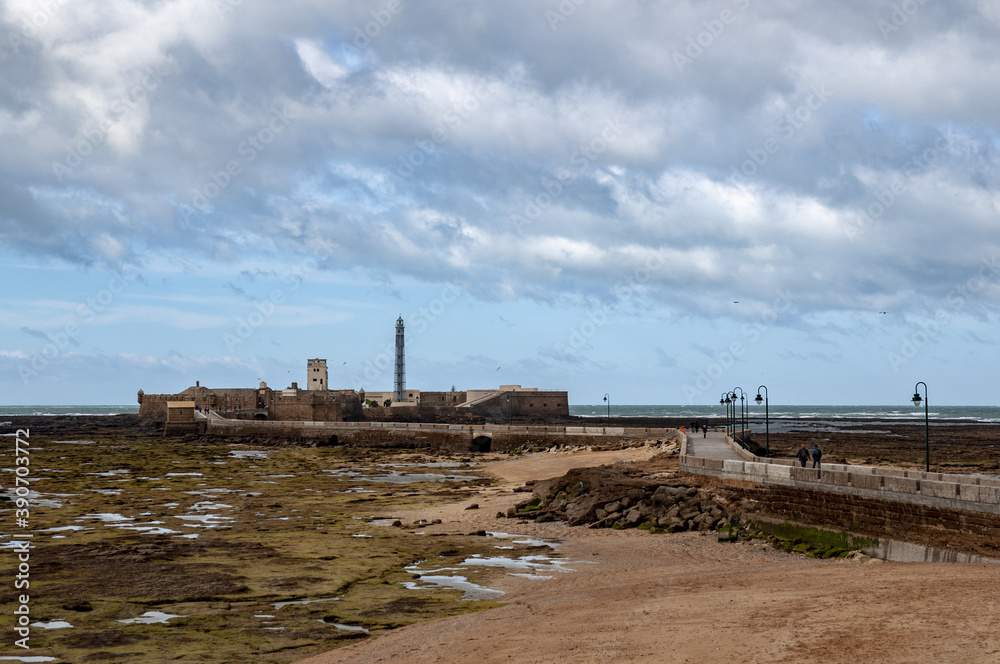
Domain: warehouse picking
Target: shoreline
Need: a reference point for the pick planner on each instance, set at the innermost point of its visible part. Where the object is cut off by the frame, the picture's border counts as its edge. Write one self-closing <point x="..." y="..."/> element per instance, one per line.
<point x="687" y="597"/>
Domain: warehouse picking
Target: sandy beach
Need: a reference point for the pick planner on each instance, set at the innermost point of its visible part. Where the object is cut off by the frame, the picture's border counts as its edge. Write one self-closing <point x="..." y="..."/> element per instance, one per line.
<point x="685" y="597"/>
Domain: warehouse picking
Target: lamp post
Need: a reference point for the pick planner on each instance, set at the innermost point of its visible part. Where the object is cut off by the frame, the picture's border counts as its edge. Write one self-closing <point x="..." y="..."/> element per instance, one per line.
<point x="743" y="413"/>
<point x="767" y="425"/>
<point x="729" y="420"/>
<point x="510" y="412"/>
<point x="722" y="402"/>
<point x="607" y="400"/>
<point x="927" y="426"/>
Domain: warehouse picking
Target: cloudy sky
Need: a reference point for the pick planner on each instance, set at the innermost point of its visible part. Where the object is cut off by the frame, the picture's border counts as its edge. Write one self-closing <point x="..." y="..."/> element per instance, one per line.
<point x="656" y="200"/>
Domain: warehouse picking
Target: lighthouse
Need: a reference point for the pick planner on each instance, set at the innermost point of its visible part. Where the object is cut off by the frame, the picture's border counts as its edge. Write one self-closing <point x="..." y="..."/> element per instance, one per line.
<point x="399" y="385"/>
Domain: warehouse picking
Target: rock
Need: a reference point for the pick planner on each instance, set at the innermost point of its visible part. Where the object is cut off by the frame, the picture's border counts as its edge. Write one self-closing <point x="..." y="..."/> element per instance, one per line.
<point x="626" y="502"/>
<point x="79" y="605"/>
<point x="689" y="514"/>
<point x="501" y="515"/>
<point x="633" y="518"/>
<point x="473" y="506"/>
<point x="601" y="513"/>
<point x="612" y="507"/>
<point x="397" y="524"/>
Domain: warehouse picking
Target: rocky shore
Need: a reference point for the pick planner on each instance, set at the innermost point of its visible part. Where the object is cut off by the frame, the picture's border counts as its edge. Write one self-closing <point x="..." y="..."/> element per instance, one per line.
<point x="624" y="496"/>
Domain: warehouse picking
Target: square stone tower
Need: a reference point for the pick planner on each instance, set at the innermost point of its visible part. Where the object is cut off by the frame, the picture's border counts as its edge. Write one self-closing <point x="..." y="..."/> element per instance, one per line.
<point x="316" y="376"/>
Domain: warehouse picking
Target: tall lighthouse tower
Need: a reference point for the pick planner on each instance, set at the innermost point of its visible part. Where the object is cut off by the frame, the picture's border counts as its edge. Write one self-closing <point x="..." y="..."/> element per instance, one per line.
<point x="399" y="384"/>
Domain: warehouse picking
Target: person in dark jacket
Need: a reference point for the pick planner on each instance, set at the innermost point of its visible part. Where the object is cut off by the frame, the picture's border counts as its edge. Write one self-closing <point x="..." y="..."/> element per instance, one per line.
<point x="817" y="454"/>
<point x="803" y="455"/>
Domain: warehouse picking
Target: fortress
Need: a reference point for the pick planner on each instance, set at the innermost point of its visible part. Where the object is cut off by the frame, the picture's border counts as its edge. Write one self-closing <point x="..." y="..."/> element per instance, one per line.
<point x="318" y="403"/>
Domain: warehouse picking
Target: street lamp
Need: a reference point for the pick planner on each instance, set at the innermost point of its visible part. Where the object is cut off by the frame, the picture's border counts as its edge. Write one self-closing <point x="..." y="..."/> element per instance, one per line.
<point x="722" y="402"/>
<point x="927" y="426"/>
<point x="743" y="414"/>
<point x="729" y="419"/>
<point x="509" y="411"/>
<point x="767" y="425"/>
<point x="607" y="400"/>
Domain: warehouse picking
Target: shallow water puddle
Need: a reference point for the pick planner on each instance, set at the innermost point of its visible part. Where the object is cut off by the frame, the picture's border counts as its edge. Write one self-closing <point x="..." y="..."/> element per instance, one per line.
<point x="36" y="499"/>
<point x="207" y="520"/>
<point x="346" y="628"/>
<point x="280" y="605"/>
<point x="61" y="529"/>
<point x="470" y="591"/>
<point x="206" y="505"/>
<point x="248" y="454"/>
<point x="151" y="618"/>
<point x="106" y="517"/>
<point x="524" y="539"/>
<point x="54" y="624"/>
<point x="533" y="563"/>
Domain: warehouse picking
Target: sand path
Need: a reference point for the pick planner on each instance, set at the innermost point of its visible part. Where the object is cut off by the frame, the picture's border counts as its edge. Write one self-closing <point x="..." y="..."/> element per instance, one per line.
<point x="636" y="597"/>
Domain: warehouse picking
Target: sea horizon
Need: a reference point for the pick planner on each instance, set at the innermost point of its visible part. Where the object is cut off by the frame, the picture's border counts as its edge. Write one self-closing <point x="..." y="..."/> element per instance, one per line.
<point x="972" y="414"/>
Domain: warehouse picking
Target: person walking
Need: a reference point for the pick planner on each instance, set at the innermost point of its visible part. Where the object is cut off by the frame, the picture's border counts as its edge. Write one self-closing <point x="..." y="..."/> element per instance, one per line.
<point x="817" y="454"/>
<point x="803" y="455"/>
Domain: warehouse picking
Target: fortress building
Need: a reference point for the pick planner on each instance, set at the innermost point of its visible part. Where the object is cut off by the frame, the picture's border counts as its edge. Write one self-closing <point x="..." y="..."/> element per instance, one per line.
<point x="319" y="403"/>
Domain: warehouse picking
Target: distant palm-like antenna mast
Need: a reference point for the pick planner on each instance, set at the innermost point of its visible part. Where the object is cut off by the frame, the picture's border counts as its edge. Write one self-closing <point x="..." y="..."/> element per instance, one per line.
<point x="400" y="382"/>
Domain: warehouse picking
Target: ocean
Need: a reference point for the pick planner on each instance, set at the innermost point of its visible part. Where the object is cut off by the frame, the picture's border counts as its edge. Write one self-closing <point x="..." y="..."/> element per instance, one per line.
<point x="984" y="414"/>
<point x="783" y="417"/>
<point x="7" y="411"/>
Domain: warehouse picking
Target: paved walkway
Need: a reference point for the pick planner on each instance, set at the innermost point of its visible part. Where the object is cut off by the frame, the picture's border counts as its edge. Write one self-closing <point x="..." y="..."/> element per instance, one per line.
<point x="711" y="447"/>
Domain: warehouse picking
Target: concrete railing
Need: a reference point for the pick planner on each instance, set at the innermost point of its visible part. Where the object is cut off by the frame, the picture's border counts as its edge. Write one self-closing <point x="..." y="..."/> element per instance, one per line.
<point x="968" y="492"/>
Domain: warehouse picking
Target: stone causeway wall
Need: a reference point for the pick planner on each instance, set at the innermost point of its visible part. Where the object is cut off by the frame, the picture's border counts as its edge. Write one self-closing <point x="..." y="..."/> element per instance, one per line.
<point x="944" y="490"/>
<point x="942" y="510"/>
<point x="444" y="436"/>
